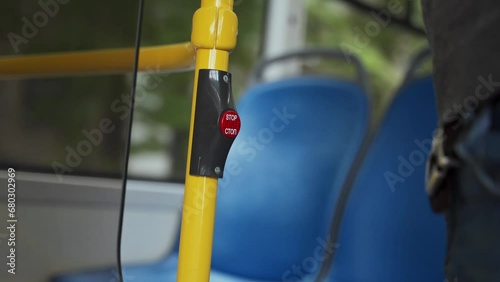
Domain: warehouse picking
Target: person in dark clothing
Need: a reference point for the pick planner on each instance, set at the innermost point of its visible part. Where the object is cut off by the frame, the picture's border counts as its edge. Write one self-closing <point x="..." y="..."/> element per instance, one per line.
<point x="464" y="167"/>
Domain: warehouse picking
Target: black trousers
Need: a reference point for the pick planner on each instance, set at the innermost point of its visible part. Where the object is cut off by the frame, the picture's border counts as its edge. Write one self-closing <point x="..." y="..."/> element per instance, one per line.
<point x="464" y="39"/>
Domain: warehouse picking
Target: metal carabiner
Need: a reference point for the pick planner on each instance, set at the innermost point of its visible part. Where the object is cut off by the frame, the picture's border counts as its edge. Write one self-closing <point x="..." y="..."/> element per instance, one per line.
<point x="438" y="170"/>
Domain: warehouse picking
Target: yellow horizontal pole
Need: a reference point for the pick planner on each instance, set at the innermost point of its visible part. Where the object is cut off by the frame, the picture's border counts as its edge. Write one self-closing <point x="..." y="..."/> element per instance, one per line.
<point x="173" y="57"/>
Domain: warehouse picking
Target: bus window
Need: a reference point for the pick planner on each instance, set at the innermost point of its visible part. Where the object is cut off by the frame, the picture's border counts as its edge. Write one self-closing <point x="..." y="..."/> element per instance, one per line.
<point x="65" y="137"/>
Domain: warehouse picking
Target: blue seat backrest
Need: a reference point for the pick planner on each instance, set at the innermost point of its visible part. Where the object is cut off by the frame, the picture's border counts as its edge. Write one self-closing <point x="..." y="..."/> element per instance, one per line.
<point x="298" y="139"/>
<point x="388" y="232"/>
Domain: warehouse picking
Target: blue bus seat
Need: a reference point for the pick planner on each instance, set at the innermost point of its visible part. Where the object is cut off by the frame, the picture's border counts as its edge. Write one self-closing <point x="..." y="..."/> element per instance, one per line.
<point x="270" y="214"/>
<point x="388" y="232"/>
<point x="298" y="139"/>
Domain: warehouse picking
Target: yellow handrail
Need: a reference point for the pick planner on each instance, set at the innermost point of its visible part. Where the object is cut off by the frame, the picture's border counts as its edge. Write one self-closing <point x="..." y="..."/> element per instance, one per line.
<point x="172" y="57"/>
<point x="214" y="36"/>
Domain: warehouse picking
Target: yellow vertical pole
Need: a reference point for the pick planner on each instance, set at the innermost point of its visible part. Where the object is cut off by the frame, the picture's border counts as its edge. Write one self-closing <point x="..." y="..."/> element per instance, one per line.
<point x="213" y="36"/>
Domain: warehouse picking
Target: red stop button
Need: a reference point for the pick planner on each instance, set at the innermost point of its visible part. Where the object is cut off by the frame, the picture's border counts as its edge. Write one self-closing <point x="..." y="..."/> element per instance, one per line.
<point x="230" y="124"/>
